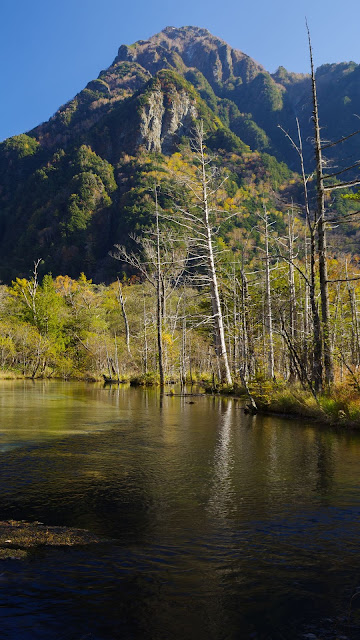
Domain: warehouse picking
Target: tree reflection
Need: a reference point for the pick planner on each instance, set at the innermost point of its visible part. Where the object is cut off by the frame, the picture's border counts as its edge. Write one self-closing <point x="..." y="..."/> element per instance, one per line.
<point x="222" y="491"/>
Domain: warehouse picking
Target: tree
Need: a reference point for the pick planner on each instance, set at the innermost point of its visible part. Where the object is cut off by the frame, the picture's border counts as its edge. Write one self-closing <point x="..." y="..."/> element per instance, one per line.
<point x="268" y="306"/>
<point x="321" y="233"/>
<point x="323" y="186"/>
<point x="201" y="220"/>
<point x="162" y="264"/>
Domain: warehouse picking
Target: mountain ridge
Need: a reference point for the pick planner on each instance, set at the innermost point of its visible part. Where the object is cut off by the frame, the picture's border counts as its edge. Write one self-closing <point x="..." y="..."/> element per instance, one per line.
<point x="66" y="186"/>
<point x="264" y="100"/>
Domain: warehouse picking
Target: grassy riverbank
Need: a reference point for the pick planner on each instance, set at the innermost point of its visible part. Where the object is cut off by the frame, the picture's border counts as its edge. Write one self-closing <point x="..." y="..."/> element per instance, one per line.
<point x="340" y="408"/>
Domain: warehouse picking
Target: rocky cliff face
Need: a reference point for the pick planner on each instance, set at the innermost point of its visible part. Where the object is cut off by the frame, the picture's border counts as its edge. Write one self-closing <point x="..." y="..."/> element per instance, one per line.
<point x="154" y="119"/>
<point x="165" y="118"/>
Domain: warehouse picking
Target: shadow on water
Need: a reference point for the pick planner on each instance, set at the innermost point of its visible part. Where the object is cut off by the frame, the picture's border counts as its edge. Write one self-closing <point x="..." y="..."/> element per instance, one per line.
<point x="218" y="525"/>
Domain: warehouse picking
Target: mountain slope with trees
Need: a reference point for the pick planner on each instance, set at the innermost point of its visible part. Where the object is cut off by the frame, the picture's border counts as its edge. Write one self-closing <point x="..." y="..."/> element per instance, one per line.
<point x="68" y="187"/>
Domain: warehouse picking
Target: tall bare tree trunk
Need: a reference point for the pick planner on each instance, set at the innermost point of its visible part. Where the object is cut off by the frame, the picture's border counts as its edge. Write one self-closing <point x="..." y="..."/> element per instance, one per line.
<point x="145" y="342"/>
<point x="317" y="347"/>
<point x="235" y="345"/>
<point x="306" y="318"/>
<point x="292" y="292"/>
<point x="159" y="297"/>
<point x="321" y="235"/>
<point x="247" y="347"/>
<point x="124" y="315"/>
<point x="220" y="344"/>
<point x="183" y="353"/>
<point x="268" y="306"/>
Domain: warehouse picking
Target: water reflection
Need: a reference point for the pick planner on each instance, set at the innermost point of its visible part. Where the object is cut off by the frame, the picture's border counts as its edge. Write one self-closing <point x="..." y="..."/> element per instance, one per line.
<point x="222" y="493"/>
<point x="221" y="525"/>
<point x="324" y="463"/>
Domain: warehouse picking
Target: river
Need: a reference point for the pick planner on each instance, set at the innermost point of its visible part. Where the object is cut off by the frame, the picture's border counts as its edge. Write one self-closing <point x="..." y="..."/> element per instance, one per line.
<point x="216" y="525"/>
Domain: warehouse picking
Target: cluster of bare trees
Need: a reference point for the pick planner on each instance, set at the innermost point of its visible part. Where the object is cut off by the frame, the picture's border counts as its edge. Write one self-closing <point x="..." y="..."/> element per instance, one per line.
<point x="316" y="277"/>
<point x="281" y="317"/>
<point x="186" y="253"/>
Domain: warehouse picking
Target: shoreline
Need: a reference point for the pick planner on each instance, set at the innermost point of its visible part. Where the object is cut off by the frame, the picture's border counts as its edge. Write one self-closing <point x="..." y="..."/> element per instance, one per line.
<point x="340" y="409"/>
<point x="297" y="406"/>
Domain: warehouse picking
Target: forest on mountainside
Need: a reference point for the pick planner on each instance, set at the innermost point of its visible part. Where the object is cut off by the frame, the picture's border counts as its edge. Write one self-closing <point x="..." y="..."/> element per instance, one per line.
<point x="71" y="188"/>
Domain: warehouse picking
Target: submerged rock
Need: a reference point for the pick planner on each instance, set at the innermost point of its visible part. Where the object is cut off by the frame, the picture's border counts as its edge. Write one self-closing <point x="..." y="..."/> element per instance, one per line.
<point x="18" y="537"/>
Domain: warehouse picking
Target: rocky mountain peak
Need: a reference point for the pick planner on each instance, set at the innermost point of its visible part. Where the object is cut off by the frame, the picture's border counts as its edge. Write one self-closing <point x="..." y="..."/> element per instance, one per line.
<point x="193" y="47"/>
<point x="184" y="32"/>
<point x="75" y="182"/>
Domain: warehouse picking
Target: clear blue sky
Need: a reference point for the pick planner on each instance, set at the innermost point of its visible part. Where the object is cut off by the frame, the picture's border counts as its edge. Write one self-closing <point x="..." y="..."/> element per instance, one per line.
<point x="50" y="49"/>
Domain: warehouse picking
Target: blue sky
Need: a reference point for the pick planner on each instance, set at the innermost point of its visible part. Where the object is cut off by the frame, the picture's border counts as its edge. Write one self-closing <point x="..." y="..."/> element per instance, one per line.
<point x="50" y="49"/>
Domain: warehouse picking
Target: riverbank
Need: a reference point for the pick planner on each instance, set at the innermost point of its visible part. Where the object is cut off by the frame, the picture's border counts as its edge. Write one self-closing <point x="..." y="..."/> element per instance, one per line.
<point x="341" y="408"/>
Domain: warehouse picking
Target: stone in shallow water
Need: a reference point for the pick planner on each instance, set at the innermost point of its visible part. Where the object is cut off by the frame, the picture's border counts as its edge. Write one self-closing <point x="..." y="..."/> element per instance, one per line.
<point x="17" y="537"/>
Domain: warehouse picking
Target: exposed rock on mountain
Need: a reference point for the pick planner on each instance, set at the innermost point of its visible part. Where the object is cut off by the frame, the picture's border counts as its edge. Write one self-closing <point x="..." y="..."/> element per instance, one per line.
<point x="72" y="186"/>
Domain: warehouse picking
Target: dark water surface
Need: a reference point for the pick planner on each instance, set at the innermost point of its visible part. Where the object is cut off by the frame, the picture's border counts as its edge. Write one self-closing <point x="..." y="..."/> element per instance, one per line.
<point x="222" y="525"/>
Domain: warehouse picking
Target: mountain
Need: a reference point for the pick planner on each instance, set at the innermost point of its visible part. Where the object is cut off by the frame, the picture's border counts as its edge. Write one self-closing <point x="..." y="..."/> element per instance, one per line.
<point x="74" y="185"/>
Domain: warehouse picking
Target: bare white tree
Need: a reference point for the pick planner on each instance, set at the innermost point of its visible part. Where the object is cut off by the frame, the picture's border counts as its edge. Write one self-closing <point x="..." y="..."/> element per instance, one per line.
<point x="201" y="220"/>
<point x="161" y="262"/>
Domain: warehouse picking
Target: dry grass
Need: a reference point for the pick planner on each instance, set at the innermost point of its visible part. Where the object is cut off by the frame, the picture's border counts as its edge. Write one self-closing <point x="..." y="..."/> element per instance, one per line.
<point x="10" y="375"/>
<point x="340" y="408"/>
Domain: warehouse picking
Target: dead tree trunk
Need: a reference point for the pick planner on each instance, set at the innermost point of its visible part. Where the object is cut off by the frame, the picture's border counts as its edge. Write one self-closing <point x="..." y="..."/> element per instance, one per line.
<point x="220" y="344"/>
<point x="146" y="349"/>
<point x="159" y="297"/>
<point x="292" y="292"/>
<point x="317" y="347"/>
<point x="321" y="235"/>
<point x="247" y="347"/>
<point x="124" y="315"/>
<point x="268" y="305"/>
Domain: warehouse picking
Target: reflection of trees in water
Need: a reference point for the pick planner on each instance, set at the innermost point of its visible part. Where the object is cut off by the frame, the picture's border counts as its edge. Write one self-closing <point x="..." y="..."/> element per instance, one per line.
<point x="121" y="397"/>
<point x="222" y="492"/>
<point x="324" y="463"/>
<point x="274" y="454"/>
<point x="287" y="462"/>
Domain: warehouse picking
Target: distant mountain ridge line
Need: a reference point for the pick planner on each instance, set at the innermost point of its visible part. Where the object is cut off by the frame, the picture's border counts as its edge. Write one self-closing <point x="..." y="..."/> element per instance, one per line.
<point x="67" y="187"/>
<point x="231" y="74"/>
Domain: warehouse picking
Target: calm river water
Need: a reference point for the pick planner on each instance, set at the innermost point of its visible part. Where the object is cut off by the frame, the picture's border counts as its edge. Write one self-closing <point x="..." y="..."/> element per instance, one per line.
<point x="216" y="525"/>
